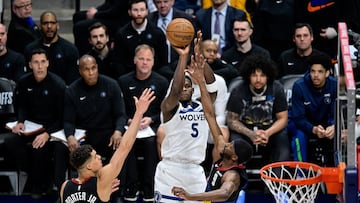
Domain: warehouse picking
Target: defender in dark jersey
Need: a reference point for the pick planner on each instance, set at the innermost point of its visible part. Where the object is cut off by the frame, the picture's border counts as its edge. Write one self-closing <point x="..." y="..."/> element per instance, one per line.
<point x="228" y="175"/>
<point x="94" y="182"/>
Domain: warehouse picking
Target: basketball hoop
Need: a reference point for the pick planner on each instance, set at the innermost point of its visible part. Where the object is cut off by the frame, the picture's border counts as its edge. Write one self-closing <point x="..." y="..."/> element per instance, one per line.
<point x="294" y="181"/>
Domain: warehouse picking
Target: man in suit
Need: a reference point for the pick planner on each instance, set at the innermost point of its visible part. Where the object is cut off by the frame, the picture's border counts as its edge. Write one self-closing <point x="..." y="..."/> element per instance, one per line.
<point x="207" y="23"/>
<point x="162" y="17"/>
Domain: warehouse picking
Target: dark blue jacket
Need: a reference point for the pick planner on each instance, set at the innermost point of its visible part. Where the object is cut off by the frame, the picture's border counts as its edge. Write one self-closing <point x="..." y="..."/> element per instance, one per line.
<point x="312" y="107"/>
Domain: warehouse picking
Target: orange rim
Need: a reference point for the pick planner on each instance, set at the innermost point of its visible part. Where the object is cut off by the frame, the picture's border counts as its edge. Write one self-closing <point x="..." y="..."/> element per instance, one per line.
<point x="293" y="164"/>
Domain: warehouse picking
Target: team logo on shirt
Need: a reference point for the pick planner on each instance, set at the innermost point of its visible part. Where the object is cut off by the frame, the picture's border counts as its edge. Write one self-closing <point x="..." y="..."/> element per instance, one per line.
<point x="46" y="92"/>
<point x="152" y="87"/>
<point x="327" y="99"/>
<point x="7" y="65"/>
<point x="148" y="36"/>
<point x="103" y="94"/>
<point x="58" y="56"/>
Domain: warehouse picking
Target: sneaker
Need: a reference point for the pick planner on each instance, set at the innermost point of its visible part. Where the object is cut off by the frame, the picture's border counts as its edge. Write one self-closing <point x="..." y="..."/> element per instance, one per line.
<point x="148" y="199"/>
<point x="131" y="197"/>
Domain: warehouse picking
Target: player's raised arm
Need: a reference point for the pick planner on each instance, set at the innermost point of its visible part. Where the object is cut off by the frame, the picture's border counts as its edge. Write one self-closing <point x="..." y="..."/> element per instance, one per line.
<point x="112" y="170"/>
<point x="197" y="71"/>
<point x="172" y="100"/>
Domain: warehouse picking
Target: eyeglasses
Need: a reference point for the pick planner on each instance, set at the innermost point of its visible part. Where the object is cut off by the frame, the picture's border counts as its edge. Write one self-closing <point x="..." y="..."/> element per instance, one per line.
<point x="28" y="5"/>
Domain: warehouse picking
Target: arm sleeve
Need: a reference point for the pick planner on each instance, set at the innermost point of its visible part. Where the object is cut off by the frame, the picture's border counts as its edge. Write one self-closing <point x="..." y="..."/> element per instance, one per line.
<point x="221" y="101"/>
<point x="69" y="114"/>
<point x="20" y="68"/>
<point x="20" y="103"/>
<point x="72" y="58"/>
<point x="280" y="97"/>
<point x="226" y="70"/>
<point x="119" y="109"/>
<point x="298" y="110"/>
<point x="58" y="109"/>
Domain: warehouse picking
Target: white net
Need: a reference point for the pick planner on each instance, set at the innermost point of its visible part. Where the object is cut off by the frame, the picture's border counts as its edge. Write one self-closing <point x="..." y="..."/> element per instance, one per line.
<point x="292" y="183"/>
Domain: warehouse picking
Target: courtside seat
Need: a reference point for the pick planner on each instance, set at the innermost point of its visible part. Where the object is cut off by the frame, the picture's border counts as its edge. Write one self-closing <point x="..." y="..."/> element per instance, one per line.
<point x="234" y="83"/>
<point x="17" y="179"/>
<point x="288" y="81"/>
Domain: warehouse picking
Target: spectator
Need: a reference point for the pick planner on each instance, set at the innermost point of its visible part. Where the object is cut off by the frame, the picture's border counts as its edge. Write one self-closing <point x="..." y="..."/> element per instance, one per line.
<point x="273" y="24"/>
<point x="165" y="13"/>
<point x="12" y="67"/>
<point x="294" y="60"/>
<point x="132" y="85"/>
<point x="313" y="106"/>
<point x="228" y="176"/>
<point x="189" y="6"/>
<point x="139" y="31"/>
<point x="243" y="47"/>
<point x="95" y="181"/>
<point x="216" y="23"/>
<point x="40" y="98"/>
<point x="63" y="55"/>
<point x="220" y="67"/>
<point x="93" y="103"/>
<point x="22" y="28"/>
<point x="104" y="55"/>
<point x="112" y="13"/>
<point x="323" y="17"/>
<point x="12" y="64"/>
<point x="186" y="132"/>
<point x="258" y="111"/>
<point x="239" y="4"/>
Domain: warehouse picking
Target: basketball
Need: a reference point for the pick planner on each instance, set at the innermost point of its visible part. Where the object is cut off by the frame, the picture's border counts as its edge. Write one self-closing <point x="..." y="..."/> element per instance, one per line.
<point x="180" y="32"/>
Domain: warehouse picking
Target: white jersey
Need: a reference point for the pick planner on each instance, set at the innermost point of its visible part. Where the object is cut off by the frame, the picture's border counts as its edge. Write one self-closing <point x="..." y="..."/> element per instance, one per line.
<point x="186" y="135"/>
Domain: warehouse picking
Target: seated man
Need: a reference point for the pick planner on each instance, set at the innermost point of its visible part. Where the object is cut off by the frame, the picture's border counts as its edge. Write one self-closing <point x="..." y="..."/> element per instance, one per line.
<point x="220" y="67"/>
<point x="258" y="111"/>
<point x="313" y="105"/>
<point x="112" y="13"/>
<point x="40" y="99"/>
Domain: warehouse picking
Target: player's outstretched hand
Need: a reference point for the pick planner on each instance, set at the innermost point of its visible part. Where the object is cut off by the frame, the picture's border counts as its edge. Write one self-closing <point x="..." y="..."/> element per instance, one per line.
<point x="144" y="101"/>
<point x="197" y="42"/>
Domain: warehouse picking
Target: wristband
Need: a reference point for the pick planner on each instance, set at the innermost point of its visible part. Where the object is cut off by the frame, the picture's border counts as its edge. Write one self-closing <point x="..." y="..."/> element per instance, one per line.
<point x="211" y="88"/>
